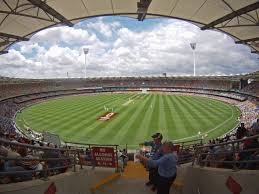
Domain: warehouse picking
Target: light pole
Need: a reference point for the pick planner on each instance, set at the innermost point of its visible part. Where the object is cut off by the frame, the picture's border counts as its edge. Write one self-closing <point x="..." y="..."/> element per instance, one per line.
<point x="193" y="46"/>
<point x="86" y="51"/>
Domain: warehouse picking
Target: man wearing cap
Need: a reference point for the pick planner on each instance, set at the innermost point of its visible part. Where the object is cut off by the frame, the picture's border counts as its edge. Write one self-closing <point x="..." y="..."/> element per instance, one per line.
<point x="167" y="169"/>
<point x="155" y="153"/>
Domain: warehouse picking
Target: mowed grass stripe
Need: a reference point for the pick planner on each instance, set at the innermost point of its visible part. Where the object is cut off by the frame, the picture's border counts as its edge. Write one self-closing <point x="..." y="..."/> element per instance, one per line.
<point x="77" y="123"/>
<point x="56" y="123"/>
<point x="201" y="109"/>
<point x="213" y="105"/>
<point x="153" y="126"/>
<point x="182" y="115"/>
<point x="75" y="117"/>
<point x="144" y="123"/>
<point x="196" y="114"/>
<point x="163" y="117"/>
<point x="60" y="110"/>
<point x="170" y="118"/>
<point x="211" y="111"/>
<point x="104" y="128"/>
<point x="62" y="116"/>
<point x="81" y="127"/>
<point x="179" y="130"/>
<point x="44" y="106"/>
<point x="129" y="127"/>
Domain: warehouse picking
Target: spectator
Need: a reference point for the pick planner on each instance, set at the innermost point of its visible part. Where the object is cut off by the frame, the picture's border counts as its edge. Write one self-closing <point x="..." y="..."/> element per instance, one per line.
<point x="166" y="168"/>
<point x="155" y="154"/>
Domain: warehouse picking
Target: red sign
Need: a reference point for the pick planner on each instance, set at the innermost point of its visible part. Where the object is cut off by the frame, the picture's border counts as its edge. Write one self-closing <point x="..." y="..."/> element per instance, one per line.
<point x="233" y="186"/>
<point x="51" y="189"/>
<point x="104" y="156"/>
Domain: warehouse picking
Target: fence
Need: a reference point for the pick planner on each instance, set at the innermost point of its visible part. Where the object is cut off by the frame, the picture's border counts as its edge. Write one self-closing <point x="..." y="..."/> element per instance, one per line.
<point x="104" y="155"/>
<point x="242" y="154"/>
<point x="36" y="161"/>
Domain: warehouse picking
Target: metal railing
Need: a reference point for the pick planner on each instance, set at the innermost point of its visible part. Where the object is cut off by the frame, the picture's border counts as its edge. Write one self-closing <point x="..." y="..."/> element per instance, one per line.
<point x="229" y="154"/>
<point x="64" y="158"/>
<point x="80" y="147"/>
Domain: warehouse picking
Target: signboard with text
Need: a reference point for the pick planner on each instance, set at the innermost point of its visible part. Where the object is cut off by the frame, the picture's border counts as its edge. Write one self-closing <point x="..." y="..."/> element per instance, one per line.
<point x="104" y="156"/>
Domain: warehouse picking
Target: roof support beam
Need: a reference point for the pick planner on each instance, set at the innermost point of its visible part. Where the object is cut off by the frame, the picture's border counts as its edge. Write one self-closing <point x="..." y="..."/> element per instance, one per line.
<point x="3" y="52"/>
<point x="13" y="36"/>
<point x="142" y="9"/>
<point x="247" y="40"/>
<point x="40" y="4"/>
<point x="232" y="15"/>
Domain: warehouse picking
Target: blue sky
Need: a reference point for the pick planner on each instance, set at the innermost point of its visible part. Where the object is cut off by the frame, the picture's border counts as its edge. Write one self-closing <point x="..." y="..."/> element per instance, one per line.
<point x="121" y="46"/>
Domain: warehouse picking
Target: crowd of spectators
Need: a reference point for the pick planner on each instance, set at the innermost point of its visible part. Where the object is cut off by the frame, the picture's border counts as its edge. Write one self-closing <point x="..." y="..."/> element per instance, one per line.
<point x="32" y="162"/>
<point x="252" y="88"/>
<point x="222" y="152"/>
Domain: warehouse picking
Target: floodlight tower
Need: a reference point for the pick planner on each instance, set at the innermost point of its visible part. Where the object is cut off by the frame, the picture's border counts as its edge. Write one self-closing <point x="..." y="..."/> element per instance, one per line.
<point x="193" y="46"/>
<point x="86" y="51"/>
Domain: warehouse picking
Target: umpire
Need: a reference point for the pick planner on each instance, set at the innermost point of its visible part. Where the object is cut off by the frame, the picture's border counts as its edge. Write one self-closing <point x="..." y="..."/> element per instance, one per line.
<point x="155" y="154"/>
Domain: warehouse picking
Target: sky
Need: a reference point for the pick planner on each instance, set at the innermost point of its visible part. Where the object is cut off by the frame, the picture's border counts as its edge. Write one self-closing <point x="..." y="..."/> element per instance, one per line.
<point x="121" y="46"/>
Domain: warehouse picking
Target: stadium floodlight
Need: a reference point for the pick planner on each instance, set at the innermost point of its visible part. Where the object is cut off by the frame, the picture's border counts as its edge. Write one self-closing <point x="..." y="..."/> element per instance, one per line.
<point x="86" y="51"/>
<point x="193" y="46"/>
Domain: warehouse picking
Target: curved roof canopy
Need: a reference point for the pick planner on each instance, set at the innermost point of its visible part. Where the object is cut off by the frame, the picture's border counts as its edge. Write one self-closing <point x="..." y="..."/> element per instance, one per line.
<point x="20" y="19"/>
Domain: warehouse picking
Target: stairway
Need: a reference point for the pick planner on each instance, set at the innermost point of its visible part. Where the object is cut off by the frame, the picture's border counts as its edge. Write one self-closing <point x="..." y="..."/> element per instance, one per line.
<point x="131" y="181"/>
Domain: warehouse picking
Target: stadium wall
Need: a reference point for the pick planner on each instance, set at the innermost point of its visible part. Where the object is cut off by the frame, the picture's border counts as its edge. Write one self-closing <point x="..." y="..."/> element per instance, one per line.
<point x="196" y="180"/>
<point x="201" y="180"/>
<point x="70" y="182"/>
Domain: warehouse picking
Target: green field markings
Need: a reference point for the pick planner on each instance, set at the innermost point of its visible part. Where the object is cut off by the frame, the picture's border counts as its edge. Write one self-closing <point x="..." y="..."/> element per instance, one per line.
<point x="92" y="119"/>
<point x="93" y="124"/>
<point x="171" y="117"/>
<point x="127" y="129"/>
<point x="61" y="120"/>
<point x="144" y="131"/>
<point x="181" y="111"/>
<point x="59" y="108"/>
<point x="153" y="126"/>
<point x="74" y="118"/>
<point x="211" y="111"/>
<point x="211" y="130"/>
<point x="214" y="105"/>
<point x="42" y="107"/>
<point x="59" y="117"/>
<point x="202" y="113"/>
<point x="163" y="117"/>
<point x="88" y="117"/>
<point x="195" y="116"/>
<point x="110" y="128"/>
<point x="179" y="129"/>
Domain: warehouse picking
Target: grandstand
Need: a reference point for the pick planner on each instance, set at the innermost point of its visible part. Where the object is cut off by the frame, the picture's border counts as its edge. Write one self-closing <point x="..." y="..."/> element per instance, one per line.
<point x="32" y="161"/>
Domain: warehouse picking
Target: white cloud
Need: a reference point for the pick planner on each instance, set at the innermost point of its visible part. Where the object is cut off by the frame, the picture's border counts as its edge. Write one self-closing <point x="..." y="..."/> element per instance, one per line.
<point x="162" y="48"/>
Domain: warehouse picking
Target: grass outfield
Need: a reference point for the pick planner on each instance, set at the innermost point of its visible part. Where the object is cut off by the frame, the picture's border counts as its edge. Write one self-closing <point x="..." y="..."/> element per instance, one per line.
<point x="75" y="118"/>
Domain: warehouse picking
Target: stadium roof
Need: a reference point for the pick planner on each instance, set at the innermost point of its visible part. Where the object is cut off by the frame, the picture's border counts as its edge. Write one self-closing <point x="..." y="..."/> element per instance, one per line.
<point x="20" y="19"/>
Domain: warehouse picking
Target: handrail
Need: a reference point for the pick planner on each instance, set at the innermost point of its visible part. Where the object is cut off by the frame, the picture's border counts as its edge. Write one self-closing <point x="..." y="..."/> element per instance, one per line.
<point x="230" y="142"/>
<point x="33" y="159"/>
<point x="4" y="141"/>
<point x="32" y="171"/>
<point x="91" y="144"/>
<point x="175" y="141"/>
<point x="202" y="157"/>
